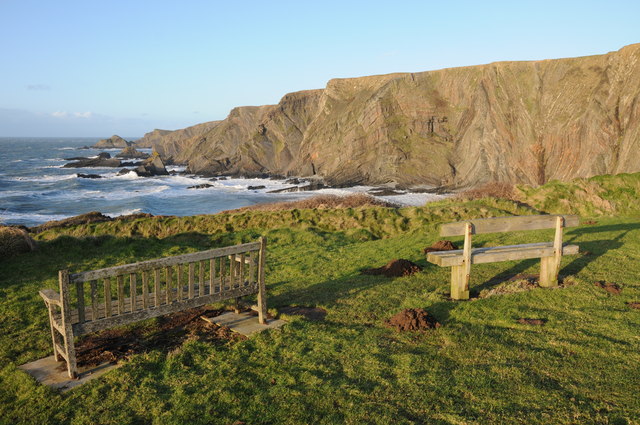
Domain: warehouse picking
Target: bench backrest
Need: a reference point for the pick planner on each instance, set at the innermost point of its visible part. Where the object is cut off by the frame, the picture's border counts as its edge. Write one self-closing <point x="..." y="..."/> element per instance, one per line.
<point x="508" y="224"/>
<point x="119" y="295"/>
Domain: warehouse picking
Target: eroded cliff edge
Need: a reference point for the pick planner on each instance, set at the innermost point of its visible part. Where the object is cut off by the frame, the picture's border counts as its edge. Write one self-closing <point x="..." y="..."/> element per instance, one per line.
<point x="518" y="122"/>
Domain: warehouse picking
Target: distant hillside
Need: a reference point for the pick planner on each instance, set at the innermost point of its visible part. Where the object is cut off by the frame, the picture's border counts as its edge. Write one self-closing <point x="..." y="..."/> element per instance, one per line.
<point x="516" y="122"/>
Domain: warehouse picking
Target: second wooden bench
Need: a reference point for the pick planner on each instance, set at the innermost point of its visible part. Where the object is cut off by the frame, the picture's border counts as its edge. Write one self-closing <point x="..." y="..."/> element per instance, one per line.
<point x="461" y="260"/>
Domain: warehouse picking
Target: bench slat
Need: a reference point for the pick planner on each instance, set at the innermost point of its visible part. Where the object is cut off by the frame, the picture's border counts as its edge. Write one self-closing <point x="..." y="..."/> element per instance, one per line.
<point x="93" y="326"/>
<point x="500" y="253"/>
<point x="508" y="224"/>
<point x="163" y="262"/>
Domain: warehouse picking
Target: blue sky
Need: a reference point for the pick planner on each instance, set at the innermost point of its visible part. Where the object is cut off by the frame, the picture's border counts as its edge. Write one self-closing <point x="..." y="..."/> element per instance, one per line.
<point x="90" y="68"/>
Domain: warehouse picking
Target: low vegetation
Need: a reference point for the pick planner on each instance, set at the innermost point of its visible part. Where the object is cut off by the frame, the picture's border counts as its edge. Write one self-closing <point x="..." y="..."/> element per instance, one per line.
<point x="529" y="355"/>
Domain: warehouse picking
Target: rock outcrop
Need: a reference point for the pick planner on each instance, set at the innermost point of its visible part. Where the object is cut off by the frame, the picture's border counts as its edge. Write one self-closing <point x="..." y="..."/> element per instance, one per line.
<point x="131" y="152"/>
<point x="153" y="166"/>
<point x="514" y="122"/>
<point x="113" y="142"/>
<point x="102" y="160"/>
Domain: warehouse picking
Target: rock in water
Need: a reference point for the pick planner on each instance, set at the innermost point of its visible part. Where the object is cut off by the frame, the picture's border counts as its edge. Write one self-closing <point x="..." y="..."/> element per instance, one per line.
<point x="114" y="141"/>
<point x="94" y="162"/>
<point x="153" y="166"/>
<point x="132" y="153"/>
<point x="88" y="176"/>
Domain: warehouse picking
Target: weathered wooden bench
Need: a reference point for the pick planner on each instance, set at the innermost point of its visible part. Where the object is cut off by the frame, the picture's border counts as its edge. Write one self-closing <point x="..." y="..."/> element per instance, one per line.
<point x="99" y="299"/>
<point x="461" y="260"/>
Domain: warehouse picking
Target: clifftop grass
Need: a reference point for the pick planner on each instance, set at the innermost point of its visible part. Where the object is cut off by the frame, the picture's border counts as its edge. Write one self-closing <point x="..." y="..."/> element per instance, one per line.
<point x="482" y="366"/>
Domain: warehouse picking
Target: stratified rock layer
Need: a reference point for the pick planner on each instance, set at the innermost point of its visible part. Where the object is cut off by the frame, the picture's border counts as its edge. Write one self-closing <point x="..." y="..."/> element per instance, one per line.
<point x="514" y="122"/>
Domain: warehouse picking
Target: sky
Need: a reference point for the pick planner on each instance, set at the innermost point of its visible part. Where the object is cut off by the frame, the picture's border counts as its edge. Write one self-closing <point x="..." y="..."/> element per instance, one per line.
<point x="96" y="68"/>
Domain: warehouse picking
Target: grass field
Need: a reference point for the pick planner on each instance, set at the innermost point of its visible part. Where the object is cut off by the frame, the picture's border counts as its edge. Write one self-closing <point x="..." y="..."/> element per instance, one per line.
<point x="480" y="367"/>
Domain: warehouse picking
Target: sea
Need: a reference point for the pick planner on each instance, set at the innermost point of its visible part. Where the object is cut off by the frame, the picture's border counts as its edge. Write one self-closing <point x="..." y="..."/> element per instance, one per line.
<point x="34" y="188"/>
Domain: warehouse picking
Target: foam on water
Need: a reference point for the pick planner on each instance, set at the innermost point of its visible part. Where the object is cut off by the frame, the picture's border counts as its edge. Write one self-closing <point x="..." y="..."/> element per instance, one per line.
<point x="35" y="188"/>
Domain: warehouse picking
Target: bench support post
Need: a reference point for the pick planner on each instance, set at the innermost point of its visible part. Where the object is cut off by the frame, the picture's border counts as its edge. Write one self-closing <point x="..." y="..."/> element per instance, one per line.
<point x="550" y="266"/>
<point x="262" y="296"/>
<point x="67" y="336"/>
<point x="460" y="274"/>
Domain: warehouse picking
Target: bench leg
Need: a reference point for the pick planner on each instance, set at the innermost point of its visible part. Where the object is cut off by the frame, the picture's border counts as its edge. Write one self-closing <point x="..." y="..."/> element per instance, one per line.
<point x="549" y="267"/>
<point x="237" y="306"/>
<point x="459" y="283"/>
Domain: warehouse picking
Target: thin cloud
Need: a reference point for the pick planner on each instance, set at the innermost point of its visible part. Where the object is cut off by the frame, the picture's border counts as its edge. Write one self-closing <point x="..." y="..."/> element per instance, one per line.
<point x="60" y="114"/>
<point x="83" y="114"/>
<point x="38" y="87"/>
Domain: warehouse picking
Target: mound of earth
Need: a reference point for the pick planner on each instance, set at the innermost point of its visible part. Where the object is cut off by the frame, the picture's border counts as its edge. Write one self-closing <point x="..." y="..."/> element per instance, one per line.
<point x="15" y="240"/>
<point x="610" y="287"/>
<point x="440" y="246"/>
<point x="395" y="268"/>
<point x="315" y="314"/>
<point x="167" y="333"/>
<point x="413" y="319"/>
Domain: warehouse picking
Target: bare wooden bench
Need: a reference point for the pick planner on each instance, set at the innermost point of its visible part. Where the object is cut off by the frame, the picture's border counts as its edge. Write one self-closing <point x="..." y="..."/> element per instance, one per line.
<point x="460" y="260"/>
<point x="99" y="299"/>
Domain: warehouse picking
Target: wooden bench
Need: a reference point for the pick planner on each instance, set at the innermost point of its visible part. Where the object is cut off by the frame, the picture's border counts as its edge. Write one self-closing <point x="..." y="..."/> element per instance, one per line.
<point x="99" y="299"/>
<point x="460" y="260"/>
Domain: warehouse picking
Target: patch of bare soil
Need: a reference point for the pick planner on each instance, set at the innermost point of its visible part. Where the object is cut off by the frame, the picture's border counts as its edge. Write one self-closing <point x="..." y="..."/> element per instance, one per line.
<point x="167" y="333"/>
<point x="634" y="304"/>
<point x="610" y="287"/>
<point x="440" y="246"/>
<point x="395" y="268"/>
<point x="533" y="322"/>
<point x="413" y="319"/>
<point x="315" y="314"/>
<point x="590" y="222"/>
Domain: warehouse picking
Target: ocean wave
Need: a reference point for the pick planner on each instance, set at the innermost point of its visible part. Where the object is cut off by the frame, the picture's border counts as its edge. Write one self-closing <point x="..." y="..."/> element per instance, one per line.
<point x="28" y="218"/>
<point x="124" y="212"/>
<point x="46" y="178"/>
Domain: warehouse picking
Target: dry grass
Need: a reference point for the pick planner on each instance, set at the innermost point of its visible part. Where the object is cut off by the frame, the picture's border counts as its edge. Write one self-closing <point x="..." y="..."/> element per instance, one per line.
<point x="320" y="202"/>
<point x="14" y="240"/>
<point x="489" y="190"/>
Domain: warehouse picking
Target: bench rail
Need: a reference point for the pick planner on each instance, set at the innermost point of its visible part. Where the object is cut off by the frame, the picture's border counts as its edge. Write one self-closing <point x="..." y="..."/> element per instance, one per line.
<point x="100" y="299"/>
<point x="550" y="253"/>
<point x="508" y="224"/>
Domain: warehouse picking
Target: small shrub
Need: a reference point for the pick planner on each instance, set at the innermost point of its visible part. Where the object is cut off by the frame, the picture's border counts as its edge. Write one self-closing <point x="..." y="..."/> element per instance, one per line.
<point x="489" y="190"/>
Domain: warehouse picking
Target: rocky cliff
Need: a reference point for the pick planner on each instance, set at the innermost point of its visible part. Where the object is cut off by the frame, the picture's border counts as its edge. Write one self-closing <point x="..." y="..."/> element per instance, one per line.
<point x="168" y="143"/>
<point x="519" y="122"/>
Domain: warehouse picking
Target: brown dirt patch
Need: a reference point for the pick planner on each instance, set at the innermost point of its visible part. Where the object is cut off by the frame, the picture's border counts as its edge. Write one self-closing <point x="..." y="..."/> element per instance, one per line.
<point x="610" y="287"/>
<point x="413" y="319"/>
<point x="634" y="304"/>
<point x="533" y="322"/>
<point x="590" y="222"/>
<point x="395" y="268"/>
<point x="315" y="314"/>
<point x="166" y="333"/>
<point x="440" y="246"/>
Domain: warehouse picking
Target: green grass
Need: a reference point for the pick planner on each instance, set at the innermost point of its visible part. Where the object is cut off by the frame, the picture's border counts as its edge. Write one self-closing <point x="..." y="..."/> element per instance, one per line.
<point x="479" y="367"/>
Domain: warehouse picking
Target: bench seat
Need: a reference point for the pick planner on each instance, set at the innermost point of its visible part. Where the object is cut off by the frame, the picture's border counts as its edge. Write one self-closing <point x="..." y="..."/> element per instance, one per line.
<point x="498" y="253"/>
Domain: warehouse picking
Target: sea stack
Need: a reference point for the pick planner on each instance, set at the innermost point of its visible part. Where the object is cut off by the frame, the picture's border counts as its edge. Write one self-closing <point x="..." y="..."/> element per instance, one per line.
<point x="112" y="142"/>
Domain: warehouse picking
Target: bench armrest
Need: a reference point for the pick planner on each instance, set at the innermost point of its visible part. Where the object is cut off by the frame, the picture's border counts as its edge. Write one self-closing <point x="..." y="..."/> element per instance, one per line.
<point x="51" y="297"/>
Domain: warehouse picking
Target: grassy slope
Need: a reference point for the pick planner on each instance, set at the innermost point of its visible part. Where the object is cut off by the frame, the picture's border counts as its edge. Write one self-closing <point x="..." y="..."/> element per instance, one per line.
<point x="480" y="367"/>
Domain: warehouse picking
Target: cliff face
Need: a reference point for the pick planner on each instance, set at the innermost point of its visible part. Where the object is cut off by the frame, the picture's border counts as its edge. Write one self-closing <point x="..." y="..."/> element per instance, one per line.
<point x="519" y="122"/>
<point x="170" y="143"/>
